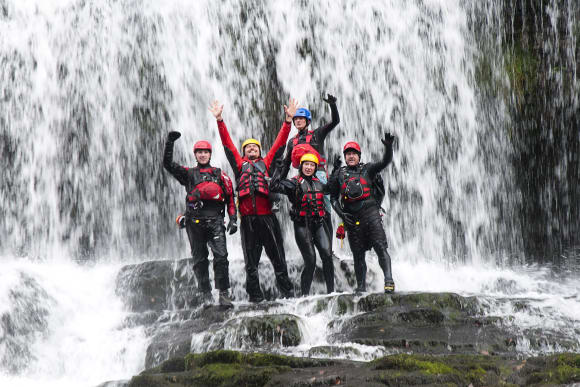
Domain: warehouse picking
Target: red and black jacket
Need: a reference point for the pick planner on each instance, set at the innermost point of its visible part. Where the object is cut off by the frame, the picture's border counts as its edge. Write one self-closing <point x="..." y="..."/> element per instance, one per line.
<point x="251" y="174"/>
<point x="314" y="138"/>
<point x="208" y="188"/>
<point x="305" y="193"/>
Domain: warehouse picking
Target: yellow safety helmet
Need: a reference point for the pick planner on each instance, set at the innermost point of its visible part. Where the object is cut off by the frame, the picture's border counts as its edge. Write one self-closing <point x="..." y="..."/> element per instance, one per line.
<point x="309" y="157"/>
<point x="251" y="141"/>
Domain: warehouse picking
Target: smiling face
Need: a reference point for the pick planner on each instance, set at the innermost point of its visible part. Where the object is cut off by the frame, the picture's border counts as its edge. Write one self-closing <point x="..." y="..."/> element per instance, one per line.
<point x="308" y="168"/>
<point x="202" y="156"/>
<point x="252" y="151"/>
<point x="351" y="157"/>
<point x="300" y="122"/>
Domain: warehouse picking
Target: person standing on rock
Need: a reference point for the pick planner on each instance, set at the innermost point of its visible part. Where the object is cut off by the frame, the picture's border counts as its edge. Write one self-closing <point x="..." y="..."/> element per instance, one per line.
<point x="259" y="227"/>
<point x="353" y="199"/>
<point x="306" y="193"/>
<point x="209" y="191"/>
<point x="311" y="141"/>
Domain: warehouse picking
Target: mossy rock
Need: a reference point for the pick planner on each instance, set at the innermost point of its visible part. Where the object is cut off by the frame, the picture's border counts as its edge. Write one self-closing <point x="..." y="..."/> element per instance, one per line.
<point x="557" y="369"/>
<point x="439" y="300"/>
<point x="421" y="369"/>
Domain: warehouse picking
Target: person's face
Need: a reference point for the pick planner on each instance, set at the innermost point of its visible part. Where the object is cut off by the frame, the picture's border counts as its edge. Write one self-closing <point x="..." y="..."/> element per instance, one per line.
<point x="300" y="122"/>
<point x="202" y="156"/>
<point x="308" y="168"/>
<point x="252" y="151"/>
<point x="352" y="158"/>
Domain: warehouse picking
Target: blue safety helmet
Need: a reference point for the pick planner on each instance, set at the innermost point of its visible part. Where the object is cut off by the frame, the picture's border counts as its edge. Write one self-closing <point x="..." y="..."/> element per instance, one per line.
<point x="303" y="112"/>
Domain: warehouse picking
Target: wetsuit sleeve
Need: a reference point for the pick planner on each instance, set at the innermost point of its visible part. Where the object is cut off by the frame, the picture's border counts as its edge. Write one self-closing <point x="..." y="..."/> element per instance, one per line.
<point x="284" y="186"/>
<point x="279" y="154"/>
<point x="374" y="168"/>
<point x="278" y="143"/>
<point x="333" y="188"/>
<point x="323" y="131"/>
<point x="232" y="154"/>
<point x="227" y="182"/>
<point x="176" y="170"/>
<point x="287" y="160"/>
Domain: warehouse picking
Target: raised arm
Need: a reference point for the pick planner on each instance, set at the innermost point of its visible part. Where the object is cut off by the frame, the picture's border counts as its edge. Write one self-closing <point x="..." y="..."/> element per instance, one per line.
<point x="176" y="170"/>
<point x="323" y="131"/>
<point x="374" y="168"/>
<point x="284" y="132"/>
<point x="232" y="154"/>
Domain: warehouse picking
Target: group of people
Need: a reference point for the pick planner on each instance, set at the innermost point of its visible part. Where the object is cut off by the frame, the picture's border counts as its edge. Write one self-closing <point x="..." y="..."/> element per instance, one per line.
<point x="313" y="193"/>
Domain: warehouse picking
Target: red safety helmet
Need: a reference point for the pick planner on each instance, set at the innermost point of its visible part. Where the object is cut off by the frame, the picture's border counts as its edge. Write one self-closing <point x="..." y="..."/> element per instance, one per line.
<point x="201" y="145"/>
<point x="351" y="145"/>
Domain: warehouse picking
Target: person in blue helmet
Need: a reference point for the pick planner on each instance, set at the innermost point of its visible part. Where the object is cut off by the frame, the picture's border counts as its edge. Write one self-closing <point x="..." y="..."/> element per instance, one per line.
<point x="311" y="141"/>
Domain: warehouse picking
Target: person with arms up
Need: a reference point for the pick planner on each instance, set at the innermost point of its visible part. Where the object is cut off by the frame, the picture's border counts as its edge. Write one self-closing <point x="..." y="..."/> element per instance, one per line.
<point x="306" y="193"/>
<point x="354" y="200"/>
<point x="208" y="190"/>
<point x="311" y="141"/>
<point x="259" y="227"/>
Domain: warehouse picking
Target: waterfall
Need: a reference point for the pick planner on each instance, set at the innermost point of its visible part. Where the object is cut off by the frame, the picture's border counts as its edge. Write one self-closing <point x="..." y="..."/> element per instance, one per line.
<point x="89" y="90"/>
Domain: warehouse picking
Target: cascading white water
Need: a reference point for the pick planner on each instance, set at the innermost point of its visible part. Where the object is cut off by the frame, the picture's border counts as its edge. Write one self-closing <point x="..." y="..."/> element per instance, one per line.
<point x="90" y="89"/>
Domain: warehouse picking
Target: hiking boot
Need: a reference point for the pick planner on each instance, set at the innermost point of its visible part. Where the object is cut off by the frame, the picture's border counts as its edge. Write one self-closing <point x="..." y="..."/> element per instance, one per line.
<point x="389" y="286"/>
<point x="225" y="300"/>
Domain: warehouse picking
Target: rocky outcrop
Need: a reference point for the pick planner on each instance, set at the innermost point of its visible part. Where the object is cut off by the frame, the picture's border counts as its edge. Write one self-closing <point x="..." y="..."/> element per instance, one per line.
<point x="230" y="368"/>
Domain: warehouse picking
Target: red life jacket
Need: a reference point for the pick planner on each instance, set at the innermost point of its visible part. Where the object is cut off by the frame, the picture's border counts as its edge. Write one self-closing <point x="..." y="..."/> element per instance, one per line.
<point x="206" y="184"/>
<point x="308" y="140"/>
<point x="354" y="185"/>
<point x="252" y="179"/>
<point x="310" y="197"/>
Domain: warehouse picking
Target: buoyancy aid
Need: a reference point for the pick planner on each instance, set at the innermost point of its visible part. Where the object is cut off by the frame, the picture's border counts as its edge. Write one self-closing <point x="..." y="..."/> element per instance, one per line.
<point x="309" y="197"/>
<point x="355" y="185"/>
<point x="313" y="144"/>
<point x="252" y="179"/>
<point x="205" y="184"/>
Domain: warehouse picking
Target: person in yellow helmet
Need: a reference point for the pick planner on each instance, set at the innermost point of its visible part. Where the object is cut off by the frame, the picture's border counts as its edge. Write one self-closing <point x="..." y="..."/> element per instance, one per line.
<point x="259" y="227"/>
<point x="306" y="193"/>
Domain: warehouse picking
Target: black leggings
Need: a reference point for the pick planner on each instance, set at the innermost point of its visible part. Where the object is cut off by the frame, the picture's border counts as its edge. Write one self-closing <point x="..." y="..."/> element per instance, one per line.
<point x="308" y="236"/>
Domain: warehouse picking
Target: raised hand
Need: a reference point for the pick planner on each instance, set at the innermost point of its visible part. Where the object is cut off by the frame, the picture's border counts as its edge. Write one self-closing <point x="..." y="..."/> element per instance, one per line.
<point x="388" y="140"/>
<point x="216" y="109"/>
<point x="172" y="136"/>
<point x="290" y="110"/>
<point x="331" y="99"/>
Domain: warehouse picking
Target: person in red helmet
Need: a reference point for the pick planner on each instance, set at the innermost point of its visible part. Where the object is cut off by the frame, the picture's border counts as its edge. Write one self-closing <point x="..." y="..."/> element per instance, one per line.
<point x="259" y="227"/>
<point x="209" y="190"/>
<point x="306" y="193"/>
<point x="354" y="200"/>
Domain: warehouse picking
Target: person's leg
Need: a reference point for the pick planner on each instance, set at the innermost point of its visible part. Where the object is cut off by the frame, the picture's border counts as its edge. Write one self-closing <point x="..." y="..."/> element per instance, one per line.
<point x="306" y="247"/>
<point x="355" y="241"/>
<point x="379" y="242"/>
<point x="321" y="175"/>
<point x="252" y="249"/>
<point x="199" y="253"/>
<point x="217" y="244"/>
<point x="271" y="237"/>
<point x="323" y="245"/>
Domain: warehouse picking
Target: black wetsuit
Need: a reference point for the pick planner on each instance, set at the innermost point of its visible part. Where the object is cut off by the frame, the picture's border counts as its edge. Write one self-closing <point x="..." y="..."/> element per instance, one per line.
<point x="310" y="229"/>
<point x="204" y="225"/>
<point x="369" y="232"/>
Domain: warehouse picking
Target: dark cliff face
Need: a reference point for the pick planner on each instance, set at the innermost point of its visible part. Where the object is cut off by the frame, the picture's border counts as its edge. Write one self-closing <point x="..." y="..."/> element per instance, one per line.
<point x="542" y="57"/>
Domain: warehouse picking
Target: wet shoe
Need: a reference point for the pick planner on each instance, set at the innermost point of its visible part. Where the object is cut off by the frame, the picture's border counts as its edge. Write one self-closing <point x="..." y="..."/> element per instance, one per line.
<point x="389" y="287"/>
<point x="289" y="294"/>
<point x="225" y="300"/>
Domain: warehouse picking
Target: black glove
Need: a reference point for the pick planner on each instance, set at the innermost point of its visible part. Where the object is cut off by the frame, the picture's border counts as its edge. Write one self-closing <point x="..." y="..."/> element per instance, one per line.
<point x="349" y="219"/>
<point x="331" y="99"/>
<point x="232" y="226"/>
<point x="337" y="162"/>
<point x="172" y="136"/>
<point x="388" y="140"/>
